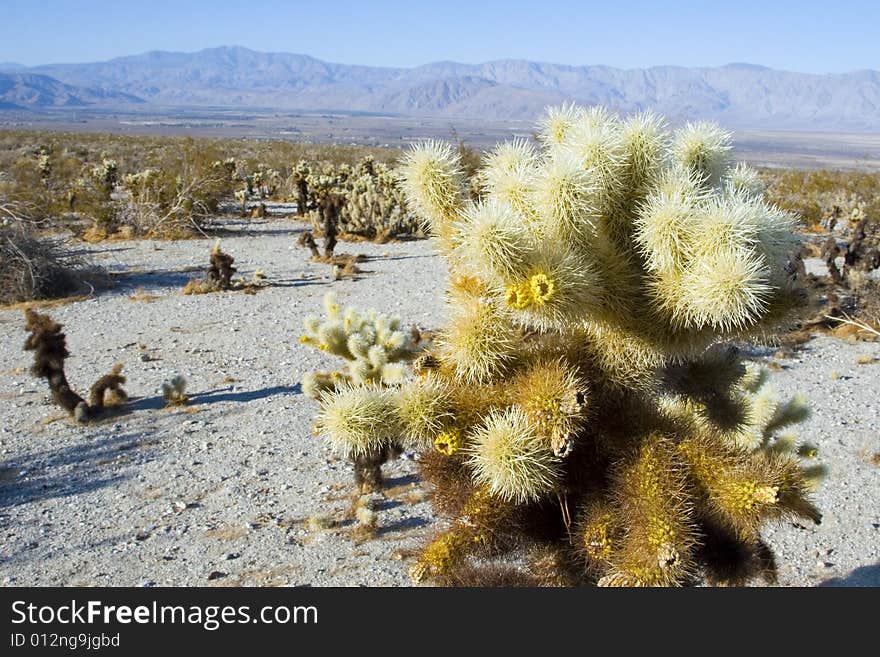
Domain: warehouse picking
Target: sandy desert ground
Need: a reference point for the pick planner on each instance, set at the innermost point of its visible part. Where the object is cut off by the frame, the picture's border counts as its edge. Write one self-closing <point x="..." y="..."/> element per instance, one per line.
<point x="233" y="489"/>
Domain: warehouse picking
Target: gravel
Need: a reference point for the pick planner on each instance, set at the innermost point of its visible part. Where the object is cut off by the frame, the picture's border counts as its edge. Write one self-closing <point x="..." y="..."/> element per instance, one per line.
<point x="234" y="490"/>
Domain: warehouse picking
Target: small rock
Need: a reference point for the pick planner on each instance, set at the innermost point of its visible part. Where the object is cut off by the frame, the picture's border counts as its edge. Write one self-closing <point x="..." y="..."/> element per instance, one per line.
<point x="216" y="574"/>
<point x="232" y="555"/>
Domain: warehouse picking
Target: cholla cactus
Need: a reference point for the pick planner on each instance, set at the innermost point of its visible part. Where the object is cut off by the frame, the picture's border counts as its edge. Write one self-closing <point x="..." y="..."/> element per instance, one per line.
<point x="49" y="345"/>
<point x="228" y="166"/>
<point x="372" y="204"/>
<point x="581" y="401"/>
<point x="44" y="165"/>
<point x="241" y="195"/>
<point x="299" y="178"/>
<point x="174" y="391"/>
<point x="352" y="400"/>
<point x="107" y="173"/>
<point x="373" y="345"/>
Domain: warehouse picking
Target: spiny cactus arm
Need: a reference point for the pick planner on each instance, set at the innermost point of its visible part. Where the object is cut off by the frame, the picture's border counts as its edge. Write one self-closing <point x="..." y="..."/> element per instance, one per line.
<point x="473" y="531"/>
<point x="558" y="288"/>
<point x="510" y="459"/>
<point x="597" y="534"/>
<point x="557" y="122"/>
<point x="506" y="176"/>
<point x="742" y="490"/>
<point x="479" y="341"/>
<point x="111" y="383"/>
<point x="493" y="239"/>
<point x="744" y="180"/>
<point x="564" y="198"/>
<point x="425" y="408"/>
<point x="667" y="221"/>
<point x="657" y="548"/>
<point x="432" y="180"/>
<point x="645" y="140"/>
<point x="50" y="351"/>
<point x="703" y="148"/>
<point x="316" y="383"/>
<point x="358" y="419"/>
<point x="596" y="141"/>
<point x="555" y="399"/>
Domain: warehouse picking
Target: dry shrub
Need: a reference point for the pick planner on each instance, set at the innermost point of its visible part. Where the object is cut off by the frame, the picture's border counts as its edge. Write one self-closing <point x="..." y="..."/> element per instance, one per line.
<point x="34" y="267"/>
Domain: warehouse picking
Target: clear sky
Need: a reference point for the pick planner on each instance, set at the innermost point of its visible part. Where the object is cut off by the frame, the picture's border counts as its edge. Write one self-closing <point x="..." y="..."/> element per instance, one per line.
<point x="807" y="35"/>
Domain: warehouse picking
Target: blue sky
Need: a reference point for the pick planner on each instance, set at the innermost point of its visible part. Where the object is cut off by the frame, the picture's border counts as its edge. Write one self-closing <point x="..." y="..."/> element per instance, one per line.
<point x="810" y="36"/>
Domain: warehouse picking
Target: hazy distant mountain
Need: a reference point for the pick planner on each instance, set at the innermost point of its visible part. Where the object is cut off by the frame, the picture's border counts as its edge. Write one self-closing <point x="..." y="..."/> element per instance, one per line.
<point x="740" y="95"/>
<point x="32" y="91"/>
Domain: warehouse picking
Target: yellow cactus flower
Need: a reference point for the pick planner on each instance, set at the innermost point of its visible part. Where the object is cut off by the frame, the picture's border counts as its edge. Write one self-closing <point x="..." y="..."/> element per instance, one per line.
<point x="519" y="296"/>
<point x="448" y="442"/>
<point x="542" y="288"/>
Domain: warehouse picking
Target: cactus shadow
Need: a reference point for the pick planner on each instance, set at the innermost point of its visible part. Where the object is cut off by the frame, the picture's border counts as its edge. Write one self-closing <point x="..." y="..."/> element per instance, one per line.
<point x="402" y="525"/>
<point x="82" y="250"/>
<point x="135" y="404"/>
<point x="392" y="483"/>
<point x="227" y="394"/>
<point x="68" y="471"/>
<point x="405" y="257"/>
<point x="296" y="282"/>
<point x="862" y="576"/>
<point x="169" y="278"/>
<point x="385" y="504"/>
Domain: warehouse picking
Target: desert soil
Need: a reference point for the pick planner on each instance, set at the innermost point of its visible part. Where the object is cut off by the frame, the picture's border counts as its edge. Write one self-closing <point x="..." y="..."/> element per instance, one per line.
<point x="233" y="489"/>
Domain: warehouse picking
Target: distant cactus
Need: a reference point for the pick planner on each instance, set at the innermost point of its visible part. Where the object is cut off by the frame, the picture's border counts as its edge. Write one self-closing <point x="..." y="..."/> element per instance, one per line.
<point x="44" y="165"/>
<point x="300" y="177"/>
<point x="581" y="403"/>
<point x="241" y="196"/>
<point x="219" y="273"/>
<point x="368" y="201"/>
<point x="107" y="173"/>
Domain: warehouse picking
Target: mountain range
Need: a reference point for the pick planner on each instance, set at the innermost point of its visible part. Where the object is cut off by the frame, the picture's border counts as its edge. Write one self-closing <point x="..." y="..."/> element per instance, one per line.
<point x="736" y="95"/>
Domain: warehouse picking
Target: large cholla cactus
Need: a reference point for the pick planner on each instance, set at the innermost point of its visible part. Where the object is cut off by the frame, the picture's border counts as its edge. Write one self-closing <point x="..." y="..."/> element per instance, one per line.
<point x="581" y="408"/>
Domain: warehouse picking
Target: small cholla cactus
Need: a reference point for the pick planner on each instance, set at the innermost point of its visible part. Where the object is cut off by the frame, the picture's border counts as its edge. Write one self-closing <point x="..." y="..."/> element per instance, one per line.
<point x="299" y="177"/>
<point x="49" y="345"/>
<point x="218" y="276"/>
<point x="377" y="352"/>
<point x="373" y="345"/>
<point x="107" y="173"/>
<point x="174" y="391"/>
<point x="44" y="164"/>
<point x="227" y="166"/>
<point x="241" y="196"/>
<point x="582" y="405"/>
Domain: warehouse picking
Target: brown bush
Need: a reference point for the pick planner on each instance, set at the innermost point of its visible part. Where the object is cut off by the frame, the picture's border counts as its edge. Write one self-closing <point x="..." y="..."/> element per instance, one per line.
<point x="33" y="267"/>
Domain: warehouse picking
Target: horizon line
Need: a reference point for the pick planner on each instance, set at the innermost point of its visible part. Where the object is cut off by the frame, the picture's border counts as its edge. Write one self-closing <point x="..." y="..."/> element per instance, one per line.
<point x="431" y="63"/>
